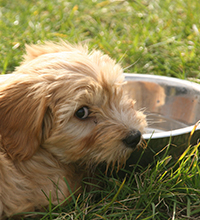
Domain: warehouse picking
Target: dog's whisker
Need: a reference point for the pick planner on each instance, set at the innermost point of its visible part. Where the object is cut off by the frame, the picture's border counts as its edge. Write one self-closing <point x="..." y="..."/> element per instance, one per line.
<point x="107" y="167"/>
<point x="143" y="110"/>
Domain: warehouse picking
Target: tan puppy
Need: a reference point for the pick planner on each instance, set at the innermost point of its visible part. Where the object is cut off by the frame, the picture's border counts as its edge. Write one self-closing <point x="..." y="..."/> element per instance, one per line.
<point x="62" y="112"/>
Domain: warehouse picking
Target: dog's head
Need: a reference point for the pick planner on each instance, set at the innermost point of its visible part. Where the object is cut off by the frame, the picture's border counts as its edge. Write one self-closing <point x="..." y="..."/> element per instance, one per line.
<point x="71" y="103"/>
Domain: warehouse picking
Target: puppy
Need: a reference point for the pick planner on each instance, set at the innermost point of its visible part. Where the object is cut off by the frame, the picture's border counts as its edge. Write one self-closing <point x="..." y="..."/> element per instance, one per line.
<point x="62" y="112"/>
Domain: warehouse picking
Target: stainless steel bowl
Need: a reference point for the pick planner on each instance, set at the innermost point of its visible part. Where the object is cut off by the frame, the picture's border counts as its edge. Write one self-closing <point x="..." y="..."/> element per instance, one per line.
<point x="172" y="107"/>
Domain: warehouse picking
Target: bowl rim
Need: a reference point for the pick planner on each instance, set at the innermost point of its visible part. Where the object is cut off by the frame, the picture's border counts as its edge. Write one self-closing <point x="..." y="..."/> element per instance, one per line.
<point x="171" y="133"/>
<point x="164" y="78"/>
<point x="175" y="132"/>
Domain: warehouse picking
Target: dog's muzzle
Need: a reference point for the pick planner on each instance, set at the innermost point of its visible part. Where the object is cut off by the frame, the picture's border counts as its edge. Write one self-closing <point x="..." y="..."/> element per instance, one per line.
<point x="133" y="139"/>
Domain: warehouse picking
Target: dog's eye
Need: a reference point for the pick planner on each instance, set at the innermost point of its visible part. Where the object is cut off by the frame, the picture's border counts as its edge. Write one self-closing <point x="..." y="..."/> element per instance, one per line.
<point x="82" y="113"/>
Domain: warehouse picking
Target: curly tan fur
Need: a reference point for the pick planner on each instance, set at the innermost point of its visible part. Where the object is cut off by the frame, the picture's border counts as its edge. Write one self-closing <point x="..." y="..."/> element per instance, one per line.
<point x="41" y="140"/>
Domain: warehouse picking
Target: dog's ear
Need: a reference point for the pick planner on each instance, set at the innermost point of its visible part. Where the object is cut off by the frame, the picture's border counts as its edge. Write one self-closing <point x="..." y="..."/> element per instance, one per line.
<point x="33" y="51"/>
<point x="22" y="109"/>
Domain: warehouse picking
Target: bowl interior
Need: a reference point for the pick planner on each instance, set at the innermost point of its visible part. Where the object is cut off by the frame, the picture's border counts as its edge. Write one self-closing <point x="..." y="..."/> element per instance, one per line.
<point x="169" y="103"/>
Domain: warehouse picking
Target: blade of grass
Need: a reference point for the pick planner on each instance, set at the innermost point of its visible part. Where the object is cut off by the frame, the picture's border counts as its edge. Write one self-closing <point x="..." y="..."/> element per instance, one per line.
<point x="50" y="206"/>
<point x="174" y="211"/>
<point x="188" y="207"/>
<point x="115" y="197"/>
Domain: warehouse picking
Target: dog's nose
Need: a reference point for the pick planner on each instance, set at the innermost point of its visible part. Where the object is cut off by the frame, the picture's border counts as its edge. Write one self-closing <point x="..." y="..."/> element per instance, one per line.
<point x="132" y="139"/>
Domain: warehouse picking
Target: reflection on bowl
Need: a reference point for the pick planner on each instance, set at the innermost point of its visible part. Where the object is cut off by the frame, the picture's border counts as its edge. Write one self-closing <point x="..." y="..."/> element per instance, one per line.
<point x="172" y="107"/>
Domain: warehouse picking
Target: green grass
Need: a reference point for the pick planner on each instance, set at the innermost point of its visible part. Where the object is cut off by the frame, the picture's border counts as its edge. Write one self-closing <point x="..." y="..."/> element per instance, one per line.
<point x="166" y="191"/>
<point x="148" y="36"/>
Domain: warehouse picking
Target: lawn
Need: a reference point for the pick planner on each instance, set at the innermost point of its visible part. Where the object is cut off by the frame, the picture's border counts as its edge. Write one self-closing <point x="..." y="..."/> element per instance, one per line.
<point x="149" y="36"/>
